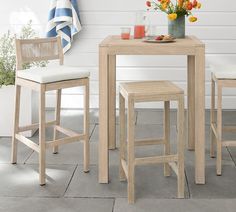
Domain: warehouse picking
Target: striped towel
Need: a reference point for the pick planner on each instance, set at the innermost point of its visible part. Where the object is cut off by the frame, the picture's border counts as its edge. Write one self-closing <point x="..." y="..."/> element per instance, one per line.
<point x="63" y="21"/>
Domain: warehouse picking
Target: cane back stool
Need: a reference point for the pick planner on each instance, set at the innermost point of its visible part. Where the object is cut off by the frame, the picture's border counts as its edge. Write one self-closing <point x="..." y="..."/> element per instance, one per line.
<point x="43" y="79"/>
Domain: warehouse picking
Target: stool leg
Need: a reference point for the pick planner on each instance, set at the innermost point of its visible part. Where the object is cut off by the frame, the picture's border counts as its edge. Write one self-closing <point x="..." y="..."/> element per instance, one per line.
<point x="42" y="146"/>
<point x="122" y="136"/>
<point x="86" y="128"/>
<point x="131" y="177"/>
<point x="167" y="170"/>
<point x="219" y="131"/>
<point x="16" y="124"/>
<point x="58" y="118"/>
<point x="212" y="135"/>
<point x="180" y="148"/>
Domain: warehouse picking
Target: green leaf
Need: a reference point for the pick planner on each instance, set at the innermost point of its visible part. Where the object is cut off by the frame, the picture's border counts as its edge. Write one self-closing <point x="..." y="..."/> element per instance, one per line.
<point x="8" y="55"/>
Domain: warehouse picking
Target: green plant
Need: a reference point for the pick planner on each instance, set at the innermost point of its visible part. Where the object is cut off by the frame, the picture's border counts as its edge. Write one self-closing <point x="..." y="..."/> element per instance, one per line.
<point x="8" y="55"/>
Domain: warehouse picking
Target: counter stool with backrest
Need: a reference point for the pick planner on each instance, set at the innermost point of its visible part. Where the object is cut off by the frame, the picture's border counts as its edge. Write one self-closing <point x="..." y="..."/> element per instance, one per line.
<point x="223" y="76"/>
<point x="151" y="91"/>
<point x="43" y="80"/>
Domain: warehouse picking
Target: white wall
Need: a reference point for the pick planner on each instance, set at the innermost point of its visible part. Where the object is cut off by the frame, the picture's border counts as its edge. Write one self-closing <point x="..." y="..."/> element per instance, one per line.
<point x="216" y="27"/>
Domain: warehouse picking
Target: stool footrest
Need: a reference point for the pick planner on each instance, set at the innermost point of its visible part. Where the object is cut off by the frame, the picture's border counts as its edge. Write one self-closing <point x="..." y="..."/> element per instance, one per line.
<point x="144" y="142"/>
<point x="229" y="128"/>
<point x="213" y="127"/>
<point x="174" y="167"/>
<point x="34" y="126"/>
<point x="156" y="159"/>
<point x="125" y="167"/>
<point x="228" y="143"/>
<point x="27" y="142"/>
<point x="66" y="131"/>
<point x="65" y="140"/>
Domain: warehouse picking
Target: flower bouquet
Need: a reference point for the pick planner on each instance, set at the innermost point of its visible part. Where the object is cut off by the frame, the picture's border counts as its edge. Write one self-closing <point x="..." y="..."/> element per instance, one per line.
<point x="176" y="13"/>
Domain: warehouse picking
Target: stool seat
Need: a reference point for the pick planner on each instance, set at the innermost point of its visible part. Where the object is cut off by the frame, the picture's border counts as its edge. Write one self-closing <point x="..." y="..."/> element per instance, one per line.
<point x="149" y="88"/>
<point x="224" y="71"/>
<point x="52" y="74"/>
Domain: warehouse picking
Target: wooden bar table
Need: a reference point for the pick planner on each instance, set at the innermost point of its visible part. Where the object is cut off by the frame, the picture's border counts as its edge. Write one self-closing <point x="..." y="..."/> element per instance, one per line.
<point x="194" y="49"/>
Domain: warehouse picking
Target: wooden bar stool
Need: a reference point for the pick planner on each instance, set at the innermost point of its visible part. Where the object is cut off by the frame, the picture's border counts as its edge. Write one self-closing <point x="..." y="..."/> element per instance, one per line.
<point x="45" y="79"/>
<point x="150" y="91"/>
<point x="222" y="76"/>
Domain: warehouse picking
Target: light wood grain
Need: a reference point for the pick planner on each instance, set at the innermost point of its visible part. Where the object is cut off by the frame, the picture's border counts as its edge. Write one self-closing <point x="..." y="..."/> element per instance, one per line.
<point x="45" y="49"/>
<point x="78" y="137"/>
<point x="191" y="102"/>
<point x="130" y="149"/>
<point x="127" y="91"/>
<point x="112" y="101"/>
<point x="219" y="130"/>
<point x="122" y="137"/>
<point x="103" y="116"/>
<point x="125" y="169"/>
<point x="156" y="160"/>
<point x="200" y="119"/>
<point x="190" y="46"/>
<point x="35" y="126"/>
<point x="180" y="148"/>
<point x="212" y="134"/>
<point x="86" y="128"/>
<point x="16" y="123"/>
<point x="65" y="131"/>
<point x="229" y="143"/>
<point x="57" y="118"/>
<point x="149" y="141"/>
<point x="42" y="143"/>
<point x="166" y="126"/>
<point x="27" y="142"/>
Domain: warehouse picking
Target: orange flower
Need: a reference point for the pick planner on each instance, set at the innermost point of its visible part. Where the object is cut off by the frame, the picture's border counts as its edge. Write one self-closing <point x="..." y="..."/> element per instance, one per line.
<point x="199" y="5"/>
<point x="164" y="1"/>
<point x="195" y="3"/>
<point x="180" y="3"/>
<point x="189" y="6"/>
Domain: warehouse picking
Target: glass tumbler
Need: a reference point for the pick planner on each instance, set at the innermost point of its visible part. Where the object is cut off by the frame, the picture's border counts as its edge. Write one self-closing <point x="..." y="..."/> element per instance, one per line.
<point x="125" y="33"/>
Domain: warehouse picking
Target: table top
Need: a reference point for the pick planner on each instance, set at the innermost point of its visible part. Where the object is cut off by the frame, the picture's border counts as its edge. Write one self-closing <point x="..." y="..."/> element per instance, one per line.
<point x="116" y="41"/>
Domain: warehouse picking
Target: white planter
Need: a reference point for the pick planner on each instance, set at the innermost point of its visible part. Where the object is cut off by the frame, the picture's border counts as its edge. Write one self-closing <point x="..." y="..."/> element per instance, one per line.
<point x="28" y="109"/>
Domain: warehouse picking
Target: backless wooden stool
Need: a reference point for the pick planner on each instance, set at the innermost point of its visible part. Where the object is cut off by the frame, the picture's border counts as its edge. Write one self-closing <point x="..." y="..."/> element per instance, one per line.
<point x="150" y="91"/>
<point x="222" y="76"/>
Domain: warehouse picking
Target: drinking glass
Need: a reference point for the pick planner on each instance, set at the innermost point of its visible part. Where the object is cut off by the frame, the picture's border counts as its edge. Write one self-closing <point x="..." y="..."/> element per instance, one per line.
<point x="125" y="33"/>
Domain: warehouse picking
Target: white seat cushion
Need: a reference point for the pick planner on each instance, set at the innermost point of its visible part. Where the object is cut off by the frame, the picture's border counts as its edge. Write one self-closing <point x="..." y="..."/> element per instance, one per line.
<point x="224" y="71"/>
<point x="52" y="74"/>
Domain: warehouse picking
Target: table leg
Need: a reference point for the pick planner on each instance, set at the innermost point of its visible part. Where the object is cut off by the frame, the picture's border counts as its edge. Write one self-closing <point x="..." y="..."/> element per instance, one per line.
<point x="112" y="101"/>
<point x="200" y="116"/>
<point x="191" y="102"/>
<point x="103" y="165"/>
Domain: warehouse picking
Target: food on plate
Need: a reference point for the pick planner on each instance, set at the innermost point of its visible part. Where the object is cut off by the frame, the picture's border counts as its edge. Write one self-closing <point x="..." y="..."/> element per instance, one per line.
<point x="164" y="37"/>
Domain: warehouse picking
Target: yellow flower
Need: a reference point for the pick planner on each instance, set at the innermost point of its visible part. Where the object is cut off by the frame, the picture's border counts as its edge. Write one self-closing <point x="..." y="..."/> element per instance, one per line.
<point x="199" y="5"/>
<point x="164" y="6"/>
<point x="192" y="19"/>
<point x="172" y="16"/>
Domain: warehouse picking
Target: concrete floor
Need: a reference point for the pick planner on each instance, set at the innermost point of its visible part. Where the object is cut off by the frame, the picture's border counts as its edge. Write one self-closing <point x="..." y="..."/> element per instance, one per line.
<point x="68" y="188"/>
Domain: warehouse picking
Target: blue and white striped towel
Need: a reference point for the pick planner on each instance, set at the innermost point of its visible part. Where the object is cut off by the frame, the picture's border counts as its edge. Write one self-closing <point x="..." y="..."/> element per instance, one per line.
<point x="64" y="21"/>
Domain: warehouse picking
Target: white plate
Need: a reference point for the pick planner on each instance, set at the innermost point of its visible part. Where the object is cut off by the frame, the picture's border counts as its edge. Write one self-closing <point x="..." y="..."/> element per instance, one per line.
<point x="153" y="40"/>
